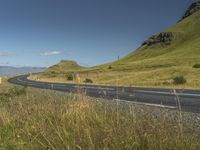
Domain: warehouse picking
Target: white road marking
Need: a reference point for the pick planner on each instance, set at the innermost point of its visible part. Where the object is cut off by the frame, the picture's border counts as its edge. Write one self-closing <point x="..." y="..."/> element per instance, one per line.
<point x="168" y="93"/>
<point x="20" y="80"/>
<point x="148" y="104"/>
<point x="24" y="81"/>
<point x="187" y="94"/>
<point x="60" y="85"/>
<point x="30" y="83"/>
<point x="98" y="88"/>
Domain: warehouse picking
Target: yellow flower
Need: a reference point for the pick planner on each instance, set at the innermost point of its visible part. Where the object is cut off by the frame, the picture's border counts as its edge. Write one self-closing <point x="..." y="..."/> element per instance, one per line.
<point x="29" y="134"/>
<point x="33" y="127"/>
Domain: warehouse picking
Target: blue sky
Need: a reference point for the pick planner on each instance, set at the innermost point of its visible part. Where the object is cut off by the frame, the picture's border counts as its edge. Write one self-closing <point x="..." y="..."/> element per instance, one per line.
<point x="91" y="32"/>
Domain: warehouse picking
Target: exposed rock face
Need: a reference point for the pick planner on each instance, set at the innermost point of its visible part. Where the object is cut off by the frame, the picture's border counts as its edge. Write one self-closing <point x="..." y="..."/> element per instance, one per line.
<point x="194" y="7"/>
<point x="163" y="38"/>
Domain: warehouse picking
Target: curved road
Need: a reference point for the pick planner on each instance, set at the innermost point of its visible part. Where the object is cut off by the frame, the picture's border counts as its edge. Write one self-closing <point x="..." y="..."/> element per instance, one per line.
<point x="189" y="99"/>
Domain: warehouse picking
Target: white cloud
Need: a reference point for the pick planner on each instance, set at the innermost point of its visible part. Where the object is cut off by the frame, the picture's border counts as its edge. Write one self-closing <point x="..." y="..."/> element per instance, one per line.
<point x="51" y="53"/>
<point x="6" y="53"/>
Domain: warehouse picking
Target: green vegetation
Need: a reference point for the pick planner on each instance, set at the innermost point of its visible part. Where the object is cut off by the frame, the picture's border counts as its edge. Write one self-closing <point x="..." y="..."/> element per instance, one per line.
<point x="43" y="119"/>
<point x="149" y="65"/>
<point x="179" y="80"/>
<point x="88" y="80"/>
<point x="196" y="66"/>
<point x="12" y="92"/>
<point x="70" y="77"/>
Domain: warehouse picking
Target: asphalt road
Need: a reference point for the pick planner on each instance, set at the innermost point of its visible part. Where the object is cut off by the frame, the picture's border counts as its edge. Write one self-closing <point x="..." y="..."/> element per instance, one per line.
<point x="158" y="97"/>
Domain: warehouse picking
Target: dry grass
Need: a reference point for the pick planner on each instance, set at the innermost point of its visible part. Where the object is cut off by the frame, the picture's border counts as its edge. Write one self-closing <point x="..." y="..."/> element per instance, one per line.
<point x="43" y="119"/>
<point x="161" y="77"/>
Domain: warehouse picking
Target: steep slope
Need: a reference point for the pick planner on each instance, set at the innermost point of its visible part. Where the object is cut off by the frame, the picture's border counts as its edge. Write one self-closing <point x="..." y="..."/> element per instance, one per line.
<point x="157" y="61"/>
<point x="194" y="7"/>
<point x="184" y="42"/>
<point x="178" y="45"/>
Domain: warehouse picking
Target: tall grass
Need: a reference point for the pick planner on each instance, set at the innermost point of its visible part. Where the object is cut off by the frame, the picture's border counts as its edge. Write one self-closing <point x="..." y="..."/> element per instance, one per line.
<point x="43" y="119"/>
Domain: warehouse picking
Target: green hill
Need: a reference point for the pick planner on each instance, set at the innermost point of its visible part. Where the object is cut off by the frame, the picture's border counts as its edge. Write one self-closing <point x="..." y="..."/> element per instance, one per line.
<point x="156" y="62"/>
<point x="172" y="46"/>
<point x="58" y="72"/>
<point x="65" y="66"/>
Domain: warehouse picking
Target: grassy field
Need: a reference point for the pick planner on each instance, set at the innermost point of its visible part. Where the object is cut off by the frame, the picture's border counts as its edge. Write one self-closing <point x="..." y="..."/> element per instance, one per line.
<point x="42" y="119"/>
<point x="153" y="66"/>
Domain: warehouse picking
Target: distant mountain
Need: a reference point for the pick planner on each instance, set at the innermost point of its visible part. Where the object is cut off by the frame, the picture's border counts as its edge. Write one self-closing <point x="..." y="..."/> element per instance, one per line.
<point x="8" y="70"/>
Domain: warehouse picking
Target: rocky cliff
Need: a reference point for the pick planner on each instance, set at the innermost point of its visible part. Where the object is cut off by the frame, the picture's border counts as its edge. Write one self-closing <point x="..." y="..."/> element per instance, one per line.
<point x="164" y="38"/>
<point x="194" y="7"/>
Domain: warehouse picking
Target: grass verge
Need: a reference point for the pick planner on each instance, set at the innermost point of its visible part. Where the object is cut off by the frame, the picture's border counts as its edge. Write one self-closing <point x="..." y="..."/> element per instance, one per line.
<point x="42" y="119"/>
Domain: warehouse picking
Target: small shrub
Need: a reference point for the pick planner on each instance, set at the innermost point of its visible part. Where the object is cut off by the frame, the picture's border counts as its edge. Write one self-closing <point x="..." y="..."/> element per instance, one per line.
<point x="196" y="66"/>
<point x="110" y="67"/>
<point x="70" y="77"/>
<point x="3" y="97"/>
<point x="53" y="72"/>
<point x="179" y="80"/>
<point x="17" y="91"/>
<point x="88" y="80"/>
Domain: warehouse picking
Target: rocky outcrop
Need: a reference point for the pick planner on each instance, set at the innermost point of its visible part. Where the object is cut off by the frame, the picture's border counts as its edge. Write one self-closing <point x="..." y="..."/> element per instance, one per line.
<point x="164" y="38"/>
<point x="194" y="7"/>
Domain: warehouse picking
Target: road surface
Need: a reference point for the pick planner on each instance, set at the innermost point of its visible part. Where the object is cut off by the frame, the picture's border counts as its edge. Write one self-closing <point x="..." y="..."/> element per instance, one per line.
<point x="189" y="99"/>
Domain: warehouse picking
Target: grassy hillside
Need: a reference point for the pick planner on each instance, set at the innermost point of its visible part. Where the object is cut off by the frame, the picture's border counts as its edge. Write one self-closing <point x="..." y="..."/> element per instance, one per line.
<point x="152" y="64"/>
